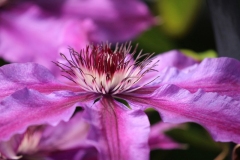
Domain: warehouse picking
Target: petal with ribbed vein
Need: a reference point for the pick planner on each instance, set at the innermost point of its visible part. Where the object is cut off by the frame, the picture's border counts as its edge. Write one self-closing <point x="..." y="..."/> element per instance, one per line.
<point x="34" y="76"/>
<point x="29" y="107"/>
<point x="219" y="75"/>
<point x="219" y="114"/>
<point x="120" y="133"/>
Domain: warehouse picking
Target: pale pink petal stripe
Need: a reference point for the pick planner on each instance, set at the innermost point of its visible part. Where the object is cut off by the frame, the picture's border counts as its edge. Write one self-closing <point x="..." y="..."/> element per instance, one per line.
<point x="219" y="75"/>
<point x="120" y="133"/>
<point x="17" y="76"/>
<point x="29" y="107"/>
<point x="219" y="114"/>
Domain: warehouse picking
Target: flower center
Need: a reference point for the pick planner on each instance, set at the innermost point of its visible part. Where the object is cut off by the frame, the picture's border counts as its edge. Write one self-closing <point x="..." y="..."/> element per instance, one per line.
<point x="102" y="70"/>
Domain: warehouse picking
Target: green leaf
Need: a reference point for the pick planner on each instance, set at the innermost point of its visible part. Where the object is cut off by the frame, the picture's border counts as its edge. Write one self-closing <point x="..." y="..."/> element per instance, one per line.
<point x="196" y="136"/>
<point x="155" y="41"/>
<point x="201" y="55"/>
<point x="177" y="16"/>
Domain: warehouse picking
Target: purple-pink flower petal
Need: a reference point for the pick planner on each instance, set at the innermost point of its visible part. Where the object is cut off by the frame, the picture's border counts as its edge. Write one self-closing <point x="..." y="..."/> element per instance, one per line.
<point x="65" y="135"/>
<point x="37" y="31"/>
<point x="173" y="58"/>
<point x="159" y="140"/>
<point x="66" y="139"/>
<point x="15" y="76"/>
<point x="120" y="133"/>
<point x="118" y="20"/>
<point x="219" y="75"/>
<point x="23" y="35"/>
<point x="219" y="114"/>
<point x="9" y="148"/>
<point x="29" y="107"/>
<point x="75" y="154"/>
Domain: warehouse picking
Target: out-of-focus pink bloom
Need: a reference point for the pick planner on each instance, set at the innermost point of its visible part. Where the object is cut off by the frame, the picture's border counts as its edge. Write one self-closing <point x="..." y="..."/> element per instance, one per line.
<point x="36" y="31"/>
<point x="67" y="139"/>
<point x="206" y="93"/>
<point x="159" y="140"/>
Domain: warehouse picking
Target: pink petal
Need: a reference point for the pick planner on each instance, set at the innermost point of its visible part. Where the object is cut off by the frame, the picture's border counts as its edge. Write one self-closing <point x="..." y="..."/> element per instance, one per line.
<point x="18" y="76"/>
<point x="118" y="20"/>
<point x="23" y="34"/>
<point x="219" y="75"/>
<point x="34" y="108"/>
<point x="219" y="114"/>
<point x="37" y="31"/>
<point x="173" y="58"/>
<point x="9" y="148"/>
<point x="159" y="140"/>
<point x="65" y="139"/>
<point x="120" y="133"/>
<point x="75" y="154"/>
<point x="65" y="135"/>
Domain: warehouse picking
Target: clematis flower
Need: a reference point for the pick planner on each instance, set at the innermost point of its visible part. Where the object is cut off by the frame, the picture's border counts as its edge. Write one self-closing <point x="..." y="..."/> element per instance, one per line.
<point x="66" y="140"/>
<point x="36" y="31"/>
<point x="115" y="89"/>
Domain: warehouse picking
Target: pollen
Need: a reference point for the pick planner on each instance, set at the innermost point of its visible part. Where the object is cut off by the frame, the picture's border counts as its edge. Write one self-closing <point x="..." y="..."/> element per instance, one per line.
<point x="98" y="68"/>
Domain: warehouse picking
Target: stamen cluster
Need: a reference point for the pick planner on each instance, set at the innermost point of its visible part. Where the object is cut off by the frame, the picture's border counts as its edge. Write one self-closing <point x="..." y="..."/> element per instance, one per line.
<point x="102" y="70"/>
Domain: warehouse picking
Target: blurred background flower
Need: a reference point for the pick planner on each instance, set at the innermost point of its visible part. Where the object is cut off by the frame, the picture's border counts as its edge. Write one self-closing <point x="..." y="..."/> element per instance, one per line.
<point x="39" y="30"/>
<point x="45" y="142"/>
